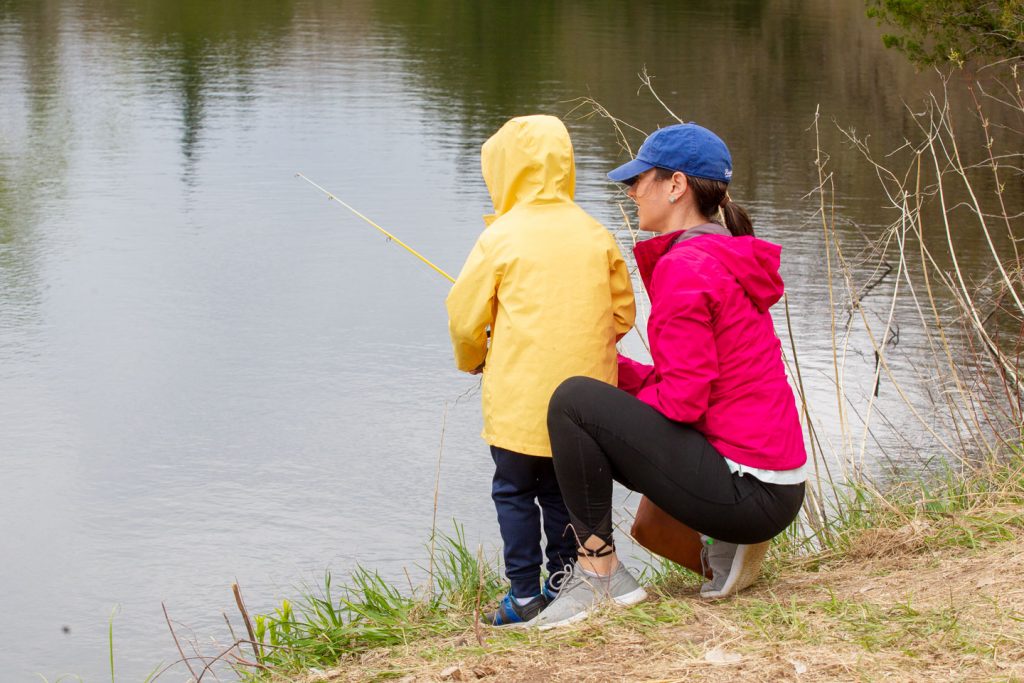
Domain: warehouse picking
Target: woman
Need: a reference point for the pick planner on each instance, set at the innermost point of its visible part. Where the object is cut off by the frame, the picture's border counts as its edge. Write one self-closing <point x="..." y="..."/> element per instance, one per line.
<point x="710" y="431"/>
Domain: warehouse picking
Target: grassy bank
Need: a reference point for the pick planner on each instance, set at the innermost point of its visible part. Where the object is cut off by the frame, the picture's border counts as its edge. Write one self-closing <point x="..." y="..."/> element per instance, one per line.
<point x="923" y="583"/>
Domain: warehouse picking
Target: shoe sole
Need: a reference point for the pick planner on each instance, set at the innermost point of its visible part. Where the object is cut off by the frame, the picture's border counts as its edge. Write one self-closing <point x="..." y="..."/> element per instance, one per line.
<point x="507" y="627"/>
<point x="630" y="598"/>
<point x="745" y="570"/>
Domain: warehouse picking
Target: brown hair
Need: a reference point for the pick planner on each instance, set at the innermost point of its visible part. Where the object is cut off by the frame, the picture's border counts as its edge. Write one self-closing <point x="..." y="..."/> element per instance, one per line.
<point x="712" y="196"/>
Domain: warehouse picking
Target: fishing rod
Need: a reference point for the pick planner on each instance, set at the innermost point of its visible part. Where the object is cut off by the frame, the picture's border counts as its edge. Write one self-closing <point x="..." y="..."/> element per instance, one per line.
<point x="387" y="234"/>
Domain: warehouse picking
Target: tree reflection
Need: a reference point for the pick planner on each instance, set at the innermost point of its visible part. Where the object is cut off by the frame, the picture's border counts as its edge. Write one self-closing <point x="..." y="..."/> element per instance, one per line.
<point x="196" y="48"/>
<point x="33" y="163"/>
<point x="754" y="70"/>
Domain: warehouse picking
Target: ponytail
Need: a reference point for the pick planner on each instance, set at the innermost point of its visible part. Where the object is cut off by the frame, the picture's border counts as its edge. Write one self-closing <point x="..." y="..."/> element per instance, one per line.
<point x="735" y="217"/>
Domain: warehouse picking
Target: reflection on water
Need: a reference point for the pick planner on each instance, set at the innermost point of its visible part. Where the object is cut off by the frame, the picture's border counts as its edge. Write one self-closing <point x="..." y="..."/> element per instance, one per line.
<point x="208" y="372"/>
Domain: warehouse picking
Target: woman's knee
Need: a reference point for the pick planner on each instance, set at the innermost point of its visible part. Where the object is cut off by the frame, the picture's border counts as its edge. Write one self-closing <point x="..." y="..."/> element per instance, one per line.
<point x="569" y="394"/>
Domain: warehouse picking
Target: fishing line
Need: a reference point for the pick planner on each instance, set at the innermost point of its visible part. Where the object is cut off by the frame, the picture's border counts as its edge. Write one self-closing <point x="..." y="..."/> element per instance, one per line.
<point x="391" y="238"/>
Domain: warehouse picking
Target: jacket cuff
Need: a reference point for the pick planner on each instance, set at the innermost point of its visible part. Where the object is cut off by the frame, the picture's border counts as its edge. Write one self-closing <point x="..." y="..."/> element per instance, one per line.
<point x="633" y="376"/>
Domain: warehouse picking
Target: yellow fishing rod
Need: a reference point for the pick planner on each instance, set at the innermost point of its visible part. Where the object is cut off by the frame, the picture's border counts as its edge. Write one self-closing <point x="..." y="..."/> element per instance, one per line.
<point x="387" y="234"/>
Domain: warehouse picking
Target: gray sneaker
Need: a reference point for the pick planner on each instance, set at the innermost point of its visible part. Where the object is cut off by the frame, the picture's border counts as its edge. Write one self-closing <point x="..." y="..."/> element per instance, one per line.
<point x="581" y="595"/>
<point x="733" y="566"/>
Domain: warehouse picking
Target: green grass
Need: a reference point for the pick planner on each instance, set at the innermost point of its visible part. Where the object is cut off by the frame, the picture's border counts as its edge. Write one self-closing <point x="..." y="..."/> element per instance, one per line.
<point x="775" y="621"/>
<point x="962" y="508"/>
<point x="913" y="631"/>
<point x="959" y="510"/>
<point x="323" y="625"/>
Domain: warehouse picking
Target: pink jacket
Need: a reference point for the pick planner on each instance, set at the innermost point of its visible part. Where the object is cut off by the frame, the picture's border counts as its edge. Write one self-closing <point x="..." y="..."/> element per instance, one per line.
<point x="717" y="361"/>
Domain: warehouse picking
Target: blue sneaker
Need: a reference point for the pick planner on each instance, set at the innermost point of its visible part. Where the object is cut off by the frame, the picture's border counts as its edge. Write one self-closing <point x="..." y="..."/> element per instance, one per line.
<point x="510" y="612"/>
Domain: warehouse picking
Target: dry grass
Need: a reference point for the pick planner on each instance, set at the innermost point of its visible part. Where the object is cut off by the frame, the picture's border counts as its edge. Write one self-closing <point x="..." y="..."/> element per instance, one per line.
<point x="895" y="605"/>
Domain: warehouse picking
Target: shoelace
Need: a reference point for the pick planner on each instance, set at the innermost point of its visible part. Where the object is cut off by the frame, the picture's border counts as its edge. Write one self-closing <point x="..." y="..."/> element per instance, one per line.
<point x="576" y="576"/>
<point x="561" y="577"/>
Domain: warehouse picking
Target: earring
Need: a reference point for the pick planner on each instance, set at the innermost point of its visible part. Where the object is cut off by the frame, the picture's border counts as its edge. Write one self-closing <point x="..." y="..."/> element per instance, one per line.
<point x="671" y="199"/>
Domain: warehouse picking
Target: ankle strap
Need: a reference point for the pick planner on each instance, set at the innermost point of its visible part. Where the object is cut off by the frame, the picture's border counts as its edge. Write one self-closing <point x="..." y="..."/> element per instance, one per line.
<point x="607" y="548"/>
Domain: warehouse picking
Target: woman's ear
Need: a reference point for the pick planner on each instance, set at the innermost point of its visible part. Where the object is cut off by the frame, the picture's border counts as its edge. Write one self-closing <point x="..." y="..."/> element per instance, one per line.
<point x="679" y="184"/>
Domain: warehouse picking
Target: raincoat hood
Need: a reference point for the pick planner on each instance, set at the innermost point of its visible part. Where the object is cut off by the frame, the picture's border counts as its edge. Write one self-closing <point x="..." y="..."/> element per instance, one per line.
<point x="529" y="160"/>
<point x="753" y="262"/>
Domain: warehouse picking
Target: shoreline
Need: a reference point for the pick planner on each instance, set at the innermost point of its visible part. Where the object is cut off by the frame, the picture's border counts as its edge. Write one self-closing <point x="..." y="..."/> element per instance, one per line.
<point x="924" y="583"/>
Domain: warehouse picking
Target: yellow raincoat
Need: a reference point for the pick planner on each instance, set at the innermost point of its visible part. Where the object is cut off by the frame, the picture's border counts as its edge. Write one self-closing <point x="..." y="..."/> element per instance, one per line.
<point x="547" y="278"/>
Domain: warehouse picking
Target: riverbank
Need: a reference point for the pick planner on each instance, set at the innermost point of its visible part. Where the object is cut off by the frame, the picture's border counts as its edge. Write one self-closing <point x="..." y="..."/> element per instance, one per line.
<point x="910" y="615"/>
<point x="924" y="583"/>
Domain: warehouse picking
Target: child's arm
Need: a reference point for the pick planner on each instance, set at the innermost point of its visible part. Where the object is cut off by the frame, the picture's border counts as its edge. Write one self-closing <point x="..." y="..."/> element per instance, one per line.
<point x="623" y="305"/>
<point x="471" y="307"/>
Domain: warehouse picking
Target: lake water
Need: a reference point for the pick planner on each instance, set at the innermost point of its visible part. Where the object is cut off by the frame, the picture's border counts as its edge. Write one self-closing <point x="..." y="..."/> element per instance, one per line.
<point x="208" y="372"/>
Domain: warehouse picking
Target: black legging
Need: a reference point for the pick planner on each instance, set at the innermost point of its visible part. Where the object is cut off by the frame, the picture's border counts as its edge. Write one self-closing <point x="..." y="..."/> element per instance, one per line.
<point x="600" y="433"/>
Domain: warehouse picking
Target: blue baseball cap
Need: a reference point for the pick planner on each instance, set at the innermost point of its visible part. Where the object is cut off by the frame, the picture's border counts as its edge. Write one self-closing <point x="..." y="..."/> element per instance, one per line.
<point x="685" y="147"/>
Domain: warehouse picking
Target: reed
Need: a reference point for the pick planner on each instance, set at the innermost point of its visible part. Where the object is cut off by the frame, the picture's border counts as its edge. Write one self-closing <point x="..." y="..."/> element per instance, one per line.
<point x="971" y="325"/>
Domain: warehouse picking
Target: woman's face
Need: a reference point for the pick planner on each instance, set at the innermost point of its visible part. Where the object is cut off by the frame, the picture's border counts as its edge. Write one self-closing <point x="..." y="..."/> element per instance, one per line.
<point x="652" y="205"/>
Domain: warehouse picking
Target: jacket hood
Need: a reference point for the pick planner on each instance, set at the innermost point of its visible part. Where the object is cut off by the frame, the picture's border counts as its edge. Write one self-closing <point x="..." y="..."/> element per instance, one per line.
<point x="753" y="262"/>
<point x="530" y="159"/>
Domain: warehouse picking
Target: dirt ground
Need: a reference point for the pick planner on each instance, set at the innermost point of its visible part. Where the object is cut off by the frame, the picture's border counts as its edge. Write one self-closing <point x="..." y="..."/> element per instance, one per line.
<point x="889" y="609"/>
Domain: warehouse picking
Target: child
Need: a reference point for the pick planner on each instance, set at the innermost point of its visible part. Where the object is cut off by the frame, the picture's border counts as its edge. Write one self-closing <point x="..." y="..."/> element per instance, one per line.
<point x="550" y="284"/>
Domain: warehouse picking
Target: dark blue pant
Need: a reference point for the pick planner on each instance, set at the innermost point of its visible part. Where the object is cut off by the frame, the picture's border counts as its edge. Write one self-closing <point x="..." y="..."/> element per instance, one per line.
<point x="520" y="482"/>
